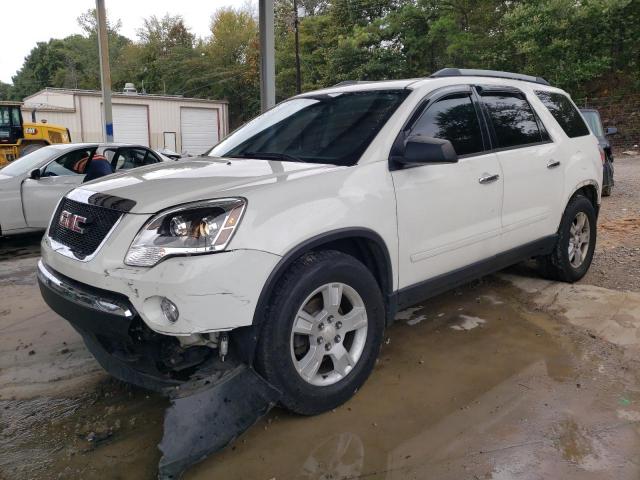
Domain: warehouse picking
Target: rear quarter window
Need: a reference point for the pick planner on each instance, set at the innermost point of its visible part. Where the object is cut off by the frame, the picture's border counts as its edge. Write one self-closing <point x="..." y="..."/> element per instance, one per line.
<point x="564" y="112"/>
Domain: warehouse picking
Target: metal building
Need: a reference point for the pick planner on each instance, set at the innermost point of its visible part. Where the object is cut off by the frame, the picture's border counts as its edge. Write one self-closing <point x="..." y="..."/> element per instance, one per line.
<point x="186" y="125"/>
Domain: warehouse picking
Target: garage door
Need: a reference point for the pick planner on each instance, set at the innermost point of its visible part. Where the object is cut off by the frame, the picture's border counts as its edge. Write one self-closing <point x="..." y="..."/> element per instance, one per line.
<point x="199" y="129"/>
<point x="131" y="124"/>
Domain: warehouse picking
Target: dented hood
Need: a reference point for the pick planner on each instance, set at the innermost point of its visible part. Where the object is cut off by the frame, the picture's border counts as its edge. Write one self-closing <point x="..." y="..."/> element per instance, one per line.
<point x="164" y="185"/>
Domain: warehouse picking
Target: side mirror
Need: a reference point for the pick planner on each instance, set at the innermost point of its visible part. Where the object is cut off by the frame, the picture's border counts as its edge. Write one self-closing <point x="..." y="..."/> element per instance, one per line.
<point x="35" y="174"/>
<point x="419" y="150"/>
<point x="611" y="131"/>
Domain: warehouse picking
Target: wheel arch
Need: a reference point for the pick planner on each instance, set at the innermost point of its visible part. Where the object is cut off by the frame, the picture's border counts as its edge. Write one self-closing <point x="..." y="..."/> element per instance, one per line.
<point x="589" y="189"/>
<point x="362" y="243"/>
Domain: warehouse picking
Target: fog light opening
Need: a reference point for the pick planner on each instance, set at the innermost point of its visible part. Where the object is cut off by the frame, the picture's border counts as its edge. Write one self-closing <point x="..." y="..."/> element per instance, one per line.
<point x="169" y="310"/>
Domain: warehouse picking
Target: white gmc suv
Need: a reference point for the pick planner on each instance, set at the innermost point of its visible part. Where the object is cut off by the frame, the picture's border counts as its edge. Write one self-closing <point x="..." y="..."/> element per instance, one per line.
<point x="293" y="243"/>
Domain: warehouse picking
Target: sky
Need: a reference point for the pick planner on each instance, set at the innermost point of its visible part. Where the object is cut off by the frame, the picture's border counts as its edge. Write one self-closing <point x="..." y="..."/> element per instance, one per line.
<point x="57" y="19"/>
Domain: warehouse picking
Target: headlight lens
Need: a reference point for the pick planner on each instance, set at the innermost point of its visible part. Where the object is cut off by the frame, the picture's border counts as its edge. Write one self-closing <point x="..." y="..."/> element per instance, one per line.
<point x="195" y="228"/>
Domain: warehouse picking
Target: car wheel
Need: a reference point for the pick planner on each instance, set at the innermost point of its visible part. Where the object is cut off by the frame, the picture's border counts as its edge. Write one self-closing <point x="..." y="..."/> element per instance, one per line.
<point x="606" y="191"/>
<point x="32" y="147"/>
<point x="322" y="333"/>
<point x="573" y="252"/>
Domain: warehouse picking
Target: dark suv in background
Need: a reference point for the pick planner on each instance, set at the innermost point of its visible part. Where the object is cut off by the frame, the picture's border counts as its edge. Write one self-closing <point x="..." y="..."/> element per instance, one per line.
<point x="592" y="116"/>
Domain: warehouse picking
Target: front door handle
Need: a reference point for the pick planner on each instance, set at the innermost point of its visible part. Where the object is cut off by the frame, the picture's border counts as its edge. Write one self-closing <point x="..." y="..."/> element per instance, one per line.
<point x="488" y="178"/>
<point x="553" y="163"/>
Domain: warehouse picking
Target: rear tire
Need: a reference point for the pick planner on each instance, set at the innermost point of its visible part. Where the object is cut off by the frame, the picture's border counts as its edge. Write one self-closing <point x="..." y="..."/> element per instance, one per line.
<point x="322" y="332"/>
<point x="572" y="255"/>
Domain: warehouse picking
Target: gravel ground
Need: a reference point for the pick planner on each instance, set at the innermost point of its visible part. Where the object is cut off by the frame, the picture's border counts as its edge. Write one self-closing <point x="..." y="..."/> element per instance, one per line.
<point x="616" y="263"/>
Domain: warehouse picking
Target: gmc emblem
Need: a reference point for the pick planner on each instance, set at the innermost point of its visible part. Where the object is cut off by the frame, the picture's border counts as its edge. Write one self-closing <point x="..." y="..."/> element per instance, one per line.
<point x="71" y="221"/>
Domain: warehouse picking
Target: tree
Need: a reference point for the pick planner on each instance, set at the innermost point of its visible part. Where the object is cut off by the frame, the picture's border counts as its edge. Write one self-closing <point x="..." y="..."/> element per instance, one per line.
<point x="6" y="91"/>
<point x="69" y="62"/>
<point x="584" y="46"/>
<point x="228" y="65"/>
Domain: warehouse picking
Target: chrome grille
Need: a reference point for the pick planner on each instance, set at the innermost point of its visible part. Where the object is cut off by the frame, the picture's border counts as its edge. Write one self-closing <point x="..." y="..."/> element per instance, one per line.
<point x="99" y="222"/>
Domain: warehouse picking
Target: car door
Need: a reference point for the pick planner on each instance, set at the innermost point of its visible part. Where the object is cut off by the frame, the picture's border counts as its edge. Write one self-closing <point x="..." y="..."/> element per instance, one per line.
<point x="448" y="214"/>
<point x="40" y="196"/>
<point x="531" y="165"/>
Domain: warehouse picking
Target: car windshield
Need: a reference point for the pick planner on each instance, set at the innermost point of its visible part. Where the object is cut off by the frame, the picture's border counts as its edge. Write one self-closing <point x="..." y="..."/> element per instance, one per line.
<point x="27" y="163"/>
<point x="333" y="128"/>
<point x="593" y="120"/>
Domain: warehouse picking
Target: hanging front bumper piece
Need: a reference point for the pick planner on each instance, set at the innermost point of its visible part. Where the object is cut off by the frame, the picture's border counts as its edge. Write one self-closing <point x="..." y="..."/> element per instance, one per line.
<point x="212" y="402"/>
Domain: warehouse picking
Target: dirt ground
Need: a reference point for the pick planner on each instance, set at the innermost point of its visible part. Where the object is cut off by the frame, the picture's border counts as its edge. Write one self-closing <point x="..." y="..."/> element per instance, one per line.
<point x="508" y="377"/>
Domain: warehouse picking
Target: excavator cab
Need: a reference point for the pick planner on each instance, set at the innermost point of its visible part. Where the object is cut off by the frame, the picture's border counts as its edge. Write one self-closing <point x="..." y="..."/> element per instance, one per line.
<point x="11" y="129"/>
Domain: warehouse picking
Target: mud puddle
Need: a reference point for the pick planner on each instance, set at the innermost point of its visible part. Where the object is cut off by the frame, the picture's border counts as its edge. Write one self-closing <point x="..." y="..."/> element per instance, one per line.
<point x="110" y="432"/>
<point x="472" y="384"/>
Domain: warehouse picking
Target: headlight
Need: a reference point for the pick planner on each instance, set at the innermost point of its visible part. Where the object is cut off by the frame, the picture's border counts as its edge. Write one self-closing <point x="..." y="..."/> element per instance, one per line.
<point x="193" y="228"/>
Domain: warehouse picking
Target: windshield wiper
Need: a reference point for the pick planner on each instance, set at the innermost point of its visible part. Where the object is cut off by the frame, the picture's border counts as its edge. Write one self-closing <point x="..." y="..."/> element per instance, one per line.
<point x="267" y="156"/>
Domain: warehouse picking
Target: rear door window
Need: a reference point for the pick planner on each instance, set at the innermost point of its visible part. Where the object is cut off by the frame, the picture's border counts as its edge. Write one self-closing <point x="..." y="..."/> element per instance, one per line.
<point x="134" y="157"/>
<point x="565" y="113"/>
<point x="513" y="119"/>
<point x="452" y="118"/>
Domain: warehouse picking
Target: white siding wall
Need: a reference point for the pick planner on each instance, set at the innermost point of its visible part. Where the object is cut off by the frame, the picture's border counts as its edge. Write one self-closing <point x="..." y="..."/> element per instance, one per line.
<point x="85" y="122"/>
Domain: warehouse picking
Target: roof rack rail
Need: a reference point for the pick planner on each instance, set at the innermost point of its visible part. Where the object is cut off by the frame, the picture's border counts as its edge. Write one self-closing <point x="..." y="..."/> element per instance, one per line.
<point x="474" y="72"/>
<point x="352" y="82"/>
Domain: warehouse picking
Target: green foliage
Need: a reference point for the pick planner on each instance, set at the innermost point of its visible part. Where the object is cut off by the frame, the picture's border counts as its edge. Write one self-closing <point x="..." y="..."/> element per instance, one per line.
<point x="585" y="46"/>
<point x="71" y="62"/>
<point x="6" y="91"/>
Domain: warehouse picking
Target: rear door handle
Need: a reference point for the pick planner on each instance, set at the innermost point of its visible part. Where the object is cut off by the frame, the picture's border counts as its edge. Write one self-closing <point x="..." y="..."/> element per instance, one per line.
<point x="553" y="163"/>
<point x="488" y="178"/>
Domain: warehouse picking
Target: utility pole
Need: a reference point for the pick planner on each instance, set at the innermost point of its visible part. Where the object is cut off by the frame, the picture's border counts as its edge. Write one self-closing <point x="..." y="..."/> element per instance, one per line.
<point x="296" y="24"/>
<point x="105" y="72"/>
<point x="267" y="55"/>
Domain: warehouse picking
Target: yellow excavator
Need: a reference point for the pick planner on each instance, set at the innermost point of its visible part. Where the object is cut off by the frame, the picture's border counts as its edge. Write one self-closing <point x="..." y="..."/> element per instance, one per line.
<point x="18" y="138"/>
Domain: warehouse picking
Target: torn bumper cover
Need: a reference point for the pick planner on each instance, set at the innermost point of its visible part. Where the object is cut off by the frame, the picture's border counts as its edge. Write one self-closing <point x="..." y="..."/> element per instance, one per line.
<point x="212" y="402"/>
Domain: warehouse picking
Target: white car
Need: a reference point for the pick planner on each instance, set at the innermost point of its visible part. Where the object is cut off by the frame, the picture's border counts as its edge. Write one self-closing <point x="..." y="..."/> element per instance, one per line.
<point x="294" y="243"/>
<point x="31" y="186"/>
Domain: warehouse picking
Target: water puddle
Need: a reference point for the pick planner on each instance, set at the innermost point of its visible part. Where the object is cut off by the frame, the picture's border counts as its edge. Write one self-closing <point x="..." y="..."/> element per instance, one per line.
<point x="520" y="394"/>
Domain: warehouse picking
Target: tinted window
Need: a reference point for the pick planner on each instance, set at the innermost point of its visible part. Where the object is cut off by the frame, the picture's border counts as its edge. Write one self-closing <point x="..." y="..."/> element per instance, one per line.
<point x="513" y="119"/>
<point x="72" y="163"/>
<point x="324" y="128"/>
<point x="5" y="117"/>
<point x="453" y="118"/>
<point x="15" y="117"/>
<point x="565" y="113"/>
<point x="10" y="116"/>
<point x="593" y="119"/>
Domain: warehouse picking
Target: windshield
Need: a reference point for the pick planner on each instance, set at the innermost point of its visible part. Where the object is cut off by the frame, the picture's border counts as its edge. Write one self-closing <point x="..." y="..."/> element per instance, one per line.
<point x="328" y="128"/>
<point x="593" y="120"/>
<point x="27" y="163"/>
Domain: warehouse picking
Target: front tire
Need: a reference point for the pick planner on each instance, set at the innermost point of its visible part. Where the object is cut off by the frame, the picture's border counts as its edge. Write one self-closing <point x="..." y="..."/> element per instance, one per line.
<point x="322" y="332"/>
<point x="572" y="255"/>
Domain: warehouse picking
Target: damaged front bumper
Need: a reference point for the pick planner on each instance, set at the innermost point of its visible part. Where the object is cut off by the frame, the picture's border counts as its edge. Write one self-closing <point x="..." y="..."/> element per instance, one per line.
<point x="112" y="331"/>
<point x="212" y="402"/>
